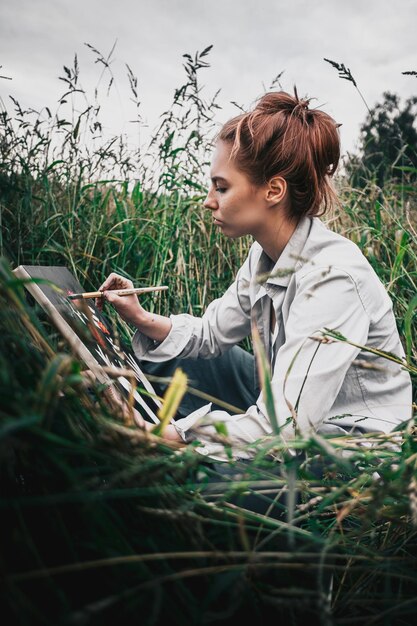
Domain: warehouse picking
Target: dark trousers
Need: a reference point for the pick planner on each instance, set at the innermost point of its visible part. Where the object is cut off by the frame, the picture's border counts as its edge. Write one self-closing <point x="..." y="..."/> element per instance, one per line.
<point x="229" y="378"/>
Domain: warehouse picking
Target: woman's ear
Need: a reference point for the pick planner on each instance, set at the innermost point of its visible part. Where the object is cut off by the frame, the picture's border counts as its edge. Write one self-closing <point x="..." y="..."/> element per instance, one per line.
<point x="276" y="190"/>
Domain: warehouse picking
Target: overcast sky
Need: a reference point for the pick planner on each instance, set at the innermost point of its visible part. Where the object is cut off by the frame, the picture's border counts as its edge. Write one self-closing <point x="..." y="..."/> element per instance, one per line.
<point x="253" y="41"/>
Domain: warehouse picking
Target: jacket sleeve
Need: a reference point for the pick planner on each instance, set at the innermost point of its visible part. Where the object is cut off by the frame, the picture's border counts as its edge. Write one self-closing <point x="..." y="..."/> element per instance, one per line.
<point x="225" y="322"/>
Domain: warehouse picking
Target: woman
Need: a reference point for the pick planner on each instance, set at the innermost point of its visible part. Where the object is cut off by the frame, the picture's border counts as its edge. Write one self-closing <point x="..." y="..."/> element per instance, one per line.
<point x="271" y="178"/>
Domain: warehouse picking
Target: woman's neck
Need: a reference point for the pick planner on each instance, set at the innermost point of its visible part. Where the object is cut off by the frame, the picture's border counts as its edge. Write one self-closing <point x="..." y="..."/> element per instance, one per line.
<point x="275" y="236"/>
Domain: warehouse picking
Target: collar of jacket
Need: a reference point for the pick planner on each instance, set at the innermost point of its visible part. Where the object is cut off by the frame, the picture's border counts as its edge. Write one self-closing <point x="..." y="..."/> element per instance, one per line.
<point x="290" y="260"/>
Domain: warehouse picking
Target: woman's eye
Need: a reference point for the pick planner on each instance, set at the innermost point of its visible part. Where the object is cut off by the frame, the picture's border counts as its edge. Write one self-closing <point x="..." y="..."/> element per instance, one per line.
<point x="221" y="189"/>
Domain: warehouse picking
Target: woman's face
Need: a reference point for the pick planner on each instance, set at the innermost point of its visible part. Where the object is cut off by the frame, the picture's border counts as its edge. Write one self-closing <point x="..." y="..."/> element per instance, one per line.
<point x="238" y="207"/>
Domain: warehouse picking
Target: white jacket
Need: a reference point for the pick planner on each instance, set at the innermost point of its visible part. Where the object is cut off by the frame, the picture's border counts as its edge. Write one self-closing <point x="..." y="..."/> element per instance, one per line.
<point x="321" y="280"/>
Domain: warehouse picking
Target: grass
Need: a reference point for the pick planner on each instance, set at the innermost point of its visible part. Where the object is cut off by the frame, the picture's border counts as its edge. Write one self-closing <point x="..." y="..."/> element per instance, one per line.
<point x="101" y="522"/>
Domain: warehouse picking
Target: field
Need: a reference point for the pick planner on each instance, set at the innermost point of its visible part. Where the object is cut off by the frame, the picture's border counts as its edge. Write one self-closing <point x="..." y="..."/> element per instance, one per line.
<point x="101" y="522"/>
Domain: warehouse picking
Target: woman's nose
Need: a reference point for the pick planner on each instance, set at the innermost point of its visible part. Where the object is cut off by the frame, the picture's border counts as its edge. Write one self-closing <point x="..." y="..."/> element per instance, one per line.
<point x="210" y="202"/>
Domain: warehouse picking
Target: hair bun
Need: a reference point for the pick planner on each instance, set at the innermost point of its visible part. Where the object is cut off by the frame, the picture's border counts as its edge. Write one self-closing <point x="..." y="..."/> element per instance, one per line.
<point x="301" y="104"/>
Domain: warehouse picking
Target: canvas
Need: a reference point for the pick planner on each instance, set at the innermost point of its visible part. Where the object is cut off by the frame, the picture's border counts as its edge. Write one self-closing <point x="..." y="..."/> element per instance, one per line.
<point x="88" y="333"/>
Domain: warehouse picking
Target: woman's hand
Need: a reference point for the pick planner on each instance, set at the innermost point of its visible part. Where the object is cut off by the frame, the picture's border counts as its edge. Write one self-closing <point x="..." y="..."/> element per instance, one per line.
<point x="155" y="326"/>
<point x="128" y="307"/>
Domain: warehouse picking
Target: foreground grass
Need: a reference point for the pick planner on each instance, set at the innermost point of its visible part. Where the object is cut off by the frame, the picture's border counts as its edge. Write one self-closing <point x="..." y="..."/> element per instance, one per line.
<point x="101" y="520"/>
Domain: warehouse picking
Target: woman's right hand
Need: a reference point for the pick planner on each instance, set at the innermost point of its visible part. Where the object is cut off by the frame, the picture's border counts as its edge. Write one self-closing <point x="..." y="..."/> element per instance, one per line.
<point x="128" y="307"/>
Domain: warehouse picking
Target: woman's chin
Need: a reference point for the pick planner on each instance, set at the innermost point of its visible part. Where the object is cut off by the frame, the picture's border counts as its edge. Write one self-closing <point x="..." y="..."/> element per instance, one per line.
<point x="230" y="234"/>
<point x="228" y="231"/>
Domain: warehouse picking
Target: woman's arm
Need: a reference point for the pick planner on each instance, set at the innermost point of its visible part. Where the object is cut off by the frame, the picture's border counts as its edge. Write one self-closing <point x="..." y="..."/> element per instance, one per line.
<point x="225" y="322"/>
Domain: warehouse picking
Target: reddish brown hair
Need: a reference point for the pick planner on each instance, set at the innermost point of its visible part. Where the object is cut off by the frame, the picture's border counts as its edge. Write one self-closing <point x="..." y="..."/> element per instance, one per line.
<point x="283" y="136"/>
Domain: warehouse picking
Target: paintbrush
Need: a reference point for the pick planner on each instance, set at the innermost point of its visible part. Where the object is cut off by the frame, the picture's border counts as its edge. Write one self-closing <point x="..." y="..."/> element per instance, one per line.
<point x="119" y="292"/>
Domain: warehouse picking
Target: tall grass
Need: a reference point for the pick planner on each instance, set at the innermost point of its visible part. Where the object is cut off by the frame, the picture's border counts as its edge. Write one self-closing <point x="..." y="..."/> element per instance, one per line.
<point x="138" y="213"/>
<point x="101" y="522"/>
